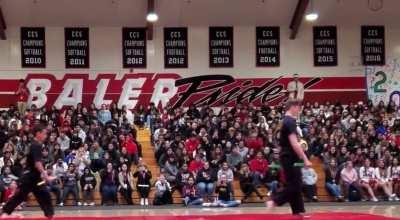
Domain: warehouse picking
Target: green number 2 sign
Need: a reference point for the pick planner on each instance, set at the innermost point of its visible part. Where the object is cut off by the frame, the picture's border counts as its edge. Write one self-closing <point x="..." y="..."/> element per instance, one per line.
<point x="377" y="85"/>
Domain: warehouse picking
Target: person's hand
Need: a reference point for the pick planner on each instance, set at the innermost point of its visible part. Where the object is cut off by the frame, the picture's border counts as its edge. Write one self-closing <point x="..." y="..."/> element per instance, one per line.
<point x="307" y="163"/>
<point x="48" y="178"/>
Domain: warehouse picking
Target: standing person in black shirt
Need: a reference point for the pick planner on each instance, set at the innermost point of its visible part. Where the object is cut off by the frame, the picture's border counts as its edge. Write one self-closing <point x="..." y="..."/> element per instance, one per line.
<point x="33" y="177"/>
<point x="291" y="153"/>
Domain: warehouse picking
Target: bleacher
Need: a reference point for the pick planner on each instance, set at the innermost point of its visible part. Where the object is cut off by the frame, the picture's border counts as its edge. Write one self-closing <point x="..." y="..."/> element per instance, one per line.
<point x="143" y="136"/>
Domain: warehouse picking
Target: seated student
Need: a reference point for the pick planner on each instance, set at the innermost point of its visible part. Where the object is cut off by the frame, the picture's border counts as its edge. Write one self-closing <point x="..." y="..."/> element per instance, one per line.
<point x="191" y="194"/>
<point x="272" y="177"/>
<point x="10" y="191"/>
<point x="143" y="183"/>
<point x="224" y="195"/>
<point x="128" y="143"/>
<point x="384" y="181"/>
<point x="70" y="184"/>
<point x="5" y="179"/>
<point x="141" y="115"/>
<point x="394" y="175"/>
<point x="309" y="183"/>
<point x="108" y="185"/>
<point x="191" y="144"/>
<point x="350" y="181"/>
<point x="54" y="186"/>
<point x="225" y="170"/>
<point x="125" y="179"/>
<point x="196" y="165"/>
<point x="96" y="155"/>
<point x="368" y="179"/>
<point x="205" y="182"/>
<point x="59" y="169"/>
<point x="258" y="168"/>
<point x="88" y="183"/>
<point x="163" y="194"/>
<point x="234" y="159"/>
<point x="7" y="176"/>
<point x="332" y="178"/>
<point x="246" y="183"/>
<point x="171" y="170"/>
<point x="182" y="177"/>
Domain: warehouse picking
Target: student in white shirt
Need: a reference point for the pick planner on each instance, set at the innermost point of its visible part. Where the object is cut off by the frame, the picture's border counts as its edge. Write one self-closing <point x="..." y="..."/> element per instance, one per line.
<point x="310" y="178"/>
<point x="384" y="181"/>
<point x="368" y="179"/>
<point x="394" y="175"/>
<point x="295" y="88"/>
<point x="163" y="194"/>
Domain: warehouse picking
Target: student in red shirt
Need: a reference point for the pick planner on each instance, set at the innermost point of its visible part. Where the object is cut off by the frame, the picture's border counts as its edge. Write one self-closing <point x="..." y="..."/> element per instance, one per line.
<point x="131" y="147"/>
<point x="196" y="165"/>
<point x="254" y="142"/>
<point x="22" y="94"/>
<point x="191" y="144"/>
<point x="258" y="168"/>
<point x="10" y="191"/>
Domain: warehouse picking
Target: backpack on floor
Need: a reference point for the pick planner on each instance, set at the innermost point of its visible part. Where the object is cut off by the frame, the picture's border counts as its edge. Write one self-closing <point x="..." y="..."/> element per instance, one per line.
<point x="354" y="194"/>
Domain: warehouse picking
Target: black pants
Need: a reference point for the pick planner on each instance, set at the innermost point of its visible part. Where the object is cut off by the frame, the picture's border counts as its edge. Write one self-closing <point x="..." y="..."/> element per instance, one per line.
<point x="143" y="191"/>
<point x="163" y="199"/>
<point x="248" y="189"/>
<point x="27" y="184"/>
<point x="292" y="191"/>
<point x="310" y="191"/>
<point x="127" y="194"/>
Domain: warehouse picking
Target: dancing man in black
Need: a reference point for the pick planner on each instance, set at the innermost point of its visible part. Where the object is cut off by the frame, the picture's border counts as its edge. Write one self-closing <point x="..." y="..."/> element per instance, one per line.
<point x="34" y="177"/>
<point x="291" y="153"/>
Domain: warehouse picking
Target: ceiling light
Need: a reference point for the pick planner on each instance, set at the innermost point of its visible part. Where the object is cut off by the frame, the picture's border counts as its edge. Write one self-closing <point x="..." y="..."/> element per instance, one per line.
<point x="313" y="16"/>
<point x="152" y="17"/>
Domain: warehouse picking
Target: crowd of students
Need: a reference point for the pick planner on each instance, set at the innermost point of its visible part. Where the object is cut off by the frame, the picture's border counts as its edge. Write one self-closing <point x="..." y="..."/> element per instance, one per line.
<point x="359" y="144"/>
<point x="202" y="150"/>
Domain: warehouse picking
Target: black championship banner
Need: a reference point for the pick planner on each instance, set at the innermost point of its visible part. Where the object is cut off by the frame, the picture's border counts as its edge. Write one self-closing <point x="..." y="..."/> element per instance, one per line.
<point x="267" y="46"/>
<point x="325" y="46"/>
<point x="221" y="46"/>
<point x="76" y="47"/>
<point x="175" y="47"/>
<point x="33" y="47"/>
<point x="373" y="45"/>
<point x="134" y="47"/>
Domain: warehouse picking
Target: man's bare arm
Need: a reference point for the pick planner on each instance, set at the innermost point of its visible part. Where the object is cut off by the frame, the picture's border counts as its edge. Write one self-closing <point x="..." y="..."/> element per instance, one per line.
<point x="39" y="166"/>
<point x="298" y="149"/>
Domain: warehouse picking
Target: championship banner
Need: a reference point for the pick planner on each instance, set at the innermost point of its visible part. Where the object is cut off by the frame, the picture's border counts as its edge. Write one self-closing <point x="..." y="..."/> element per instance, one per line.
<point x="220" y="42"/>
<point x="383" y="82"/>
<point x="134" y="47"/>
<point x="176" y="47"/>
<point x="172" y="89"/>
<point x="33" y="47"/>
<point x="267" y="46"/>
<point x="325" y="46"/>
<point x="76" y="47"/>
<point x="373" y="45"/>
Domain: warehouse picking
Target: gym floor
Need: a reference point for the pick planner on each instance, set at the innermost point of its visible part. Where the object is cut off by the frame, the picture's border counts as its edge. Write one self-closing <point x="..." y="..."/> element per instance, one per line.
<point x="388" y="209"/>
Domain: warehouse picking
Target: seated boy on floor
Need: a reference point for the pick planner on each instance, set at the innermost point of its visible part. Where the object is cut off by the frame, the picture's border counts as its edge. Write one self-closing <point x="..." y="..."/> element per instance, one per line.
<point x="10" y="191"/>
<point x="224" y="195"/>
